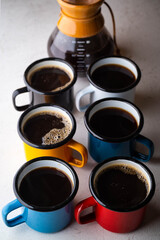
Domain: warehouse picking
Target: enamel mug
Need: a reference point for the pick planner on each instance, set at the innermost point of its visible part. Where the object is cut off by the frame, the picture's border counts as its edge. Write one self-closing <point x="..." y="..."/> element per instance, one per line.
<point x="97" y="91"/>
<point x="46" y="219"/>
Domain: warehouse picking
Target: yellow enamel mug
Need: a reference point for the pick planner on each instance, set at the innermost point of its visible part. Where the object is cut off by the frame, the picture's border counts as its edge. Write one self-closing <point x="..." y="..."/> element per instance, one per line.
<point x="66" y="149"/>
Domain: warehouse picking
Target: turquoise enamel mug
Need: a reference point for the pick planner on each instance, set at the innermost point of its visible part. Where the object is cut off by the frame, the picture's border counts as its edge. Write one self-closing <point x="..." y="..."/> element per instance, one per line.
<point x="46" y="215"/>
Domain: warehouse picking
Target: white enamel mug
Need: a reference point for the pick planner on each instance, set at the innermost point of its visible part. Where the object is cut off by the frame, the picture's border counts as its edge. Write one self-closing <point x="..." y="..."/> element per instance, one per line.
<point x="97" y="92"/>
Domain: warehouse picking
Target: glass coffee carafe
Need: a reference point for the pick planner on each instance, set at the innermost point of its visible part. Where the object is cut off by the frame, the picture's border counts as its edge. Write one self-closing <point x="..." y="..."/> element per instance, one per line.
<point x="80" y="36"/>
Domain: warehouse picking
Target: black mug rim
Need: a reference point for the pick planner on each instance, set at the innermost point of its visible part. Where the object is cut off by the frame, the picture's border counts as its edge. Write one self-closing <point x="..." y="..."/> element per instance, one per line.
<point x="131" y="86"/>
<point x="108" y="139"/>
<point x="134" y="208"/>
<point x="54" y="92"/>
<point x="51" y="146"/>
<point x="51" y="208"/>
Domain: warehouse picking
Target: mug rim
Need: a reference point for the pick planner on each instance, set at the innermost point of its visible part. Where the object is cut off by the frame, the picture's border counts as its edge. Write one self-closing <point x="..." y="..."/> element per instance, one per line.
<point x="50" y="92"/>
<point x="127" y="209"/>
<point x="131" y="86"/>
<point x="109" y="139"/>
<point x="50" y="208"/>
<point x="51" y="146"/>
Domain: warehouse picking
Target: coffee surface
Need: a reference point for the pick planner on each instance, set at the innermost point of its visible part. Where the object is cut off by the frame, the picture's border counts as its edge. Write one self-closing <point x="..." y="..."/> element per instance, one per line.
<point x="45" y="187"/>
<point x="121" y="187"/>
<point x="113" y="123"/>
<point x="48" y="79"/>
<point x="46" y="128"/>
<point x="113" y="77"/>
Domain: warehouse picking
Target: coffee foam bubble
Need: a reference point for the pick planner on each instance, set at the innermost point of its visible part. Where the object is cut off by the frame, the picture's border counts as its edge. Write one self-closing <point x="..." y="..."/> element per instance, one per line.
<point x="57" y="135"/>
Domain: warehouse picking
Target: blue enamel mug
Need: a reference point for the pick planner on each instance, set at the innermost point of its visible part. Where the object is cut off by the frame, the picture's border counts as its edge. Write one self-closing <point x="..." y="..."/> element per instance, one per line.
<point x="46" y="219"/>
<point x="102" y="146"/>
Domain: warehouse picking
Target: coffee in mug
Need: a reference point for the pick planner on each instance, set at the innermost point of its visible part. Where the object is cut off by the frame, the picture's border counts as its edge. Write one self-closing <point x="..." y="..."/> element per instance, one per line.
<point x="113" y="77"/>
<point x="49" y="79"/>
<point x="121" y="186"/>
<point x="49" y="185"/>
<point x="113" y="123"/>
<point x="48" y="127"/>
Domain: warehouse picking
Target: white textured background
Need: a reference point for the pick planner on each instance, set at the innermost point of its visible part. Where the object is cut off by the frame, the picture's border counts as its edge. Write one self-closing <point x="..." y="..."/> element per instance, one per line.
<point x="24" y="30"/>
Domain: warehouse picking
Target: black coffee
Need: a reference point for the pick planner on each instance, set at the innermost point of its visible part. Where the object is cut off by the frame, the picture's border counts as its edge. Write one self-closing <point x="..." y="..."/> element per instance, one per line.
<point x="113" y="123"/>
<point x="121" y="187"/>
<point x="48" y="79"/>
<point x="46" y="128"/>
<point x="113" y="77"/>
<point x="45" y="187"/>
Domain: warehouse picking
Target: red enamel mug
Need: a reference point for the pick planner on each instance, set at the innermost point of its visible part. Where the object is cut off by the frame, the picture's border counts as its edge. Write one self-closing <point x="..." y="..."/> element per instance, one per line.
<point x="107" y="214"/>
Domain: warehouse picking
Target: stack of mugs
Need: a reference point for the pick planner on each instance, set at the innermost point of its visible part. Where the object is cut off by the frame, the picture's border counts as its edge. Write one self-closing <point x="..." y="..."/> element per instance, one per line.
<point x="121" y="185"/>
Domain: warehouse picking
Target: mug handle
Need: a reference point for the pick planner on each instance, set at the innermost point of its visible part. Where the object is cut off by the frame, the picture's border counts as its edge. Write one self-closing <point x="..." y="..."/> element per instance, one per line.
<point x="87" y="90"/>
<point x="9" y="208"/>
<point x="15" y="94"/>
<point x="90" y="217"/>
<point x="72" y="144"/>
<point x="150" y="146"/>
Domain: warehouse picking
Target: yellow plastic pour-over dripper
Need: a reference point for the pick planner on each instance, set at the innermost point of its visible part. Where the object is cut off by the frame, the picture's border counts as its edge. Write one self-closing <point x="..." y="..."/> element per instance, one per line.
<point x="80" y="21"/>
